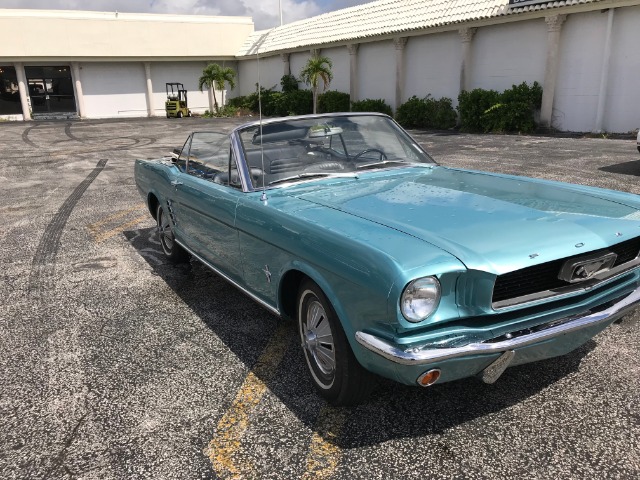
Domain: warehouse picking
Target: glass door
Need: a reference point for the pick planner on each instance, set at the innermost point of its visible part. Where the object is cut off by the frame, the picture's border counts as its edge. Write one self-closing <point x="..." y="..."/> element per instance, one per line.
<point x="50" y="89"/>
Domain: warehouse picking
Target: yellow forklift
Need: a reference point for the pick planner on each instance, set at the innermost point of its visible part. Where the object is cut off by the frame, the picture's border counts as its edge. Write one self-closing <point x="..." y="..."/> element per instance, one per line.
<point x="176" y="104"/>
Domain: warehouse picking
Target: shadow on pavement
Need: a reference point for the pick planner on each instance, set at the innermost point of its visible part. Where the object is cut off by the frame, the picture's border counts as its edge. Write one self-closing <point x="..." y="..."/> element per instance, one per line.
<point x="625" y="168"/>
<point x="393" y="411"/>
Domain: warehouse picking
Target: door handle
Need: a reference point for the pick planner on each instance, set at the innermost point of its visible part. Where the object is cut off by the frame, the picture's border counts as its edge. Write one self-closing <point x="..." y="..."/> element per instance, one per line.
<point x="175" y="183"/>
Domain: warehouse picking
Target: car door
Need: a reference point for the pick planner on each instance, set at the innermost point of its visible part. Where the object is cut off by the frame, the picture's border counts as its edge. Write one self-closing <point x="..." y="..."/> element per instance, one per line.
<point x="205" y="203"/>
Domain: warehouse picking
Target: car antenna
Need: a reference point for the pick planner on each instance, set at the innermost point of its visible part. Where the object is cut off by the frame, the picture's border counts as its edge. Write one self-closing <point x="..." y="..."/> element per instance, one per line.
<point x="263" y="197"/>
<point x="257" y="45"/>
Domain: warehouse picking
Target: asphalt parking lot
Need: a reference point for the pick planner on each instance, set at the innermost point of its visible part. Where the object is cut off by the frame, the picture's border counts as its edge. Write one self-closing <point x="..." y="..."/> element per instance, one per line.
<point x="115" y="364"/>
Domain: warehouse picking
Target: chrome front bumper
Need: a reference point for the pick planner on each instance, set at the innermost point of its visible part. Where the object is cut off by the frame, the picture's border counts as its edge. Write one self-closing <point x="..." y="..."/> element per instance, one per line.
<point x="418" y="355"/>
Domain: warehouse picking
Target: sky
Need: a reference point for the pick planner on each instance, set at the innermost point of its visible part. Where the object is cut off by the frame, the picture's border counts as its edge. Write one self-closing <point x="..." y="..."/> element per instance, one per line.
<point x="265" y="13"/>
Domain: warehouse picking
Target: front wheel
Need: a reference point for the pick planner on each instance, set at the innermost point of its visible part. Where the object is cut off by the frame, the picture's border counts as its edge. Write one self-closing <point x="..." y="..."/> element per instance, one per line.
<point x="335" y="373"/>
<point x="174" y="252"/>
<point x="179" y="114"/>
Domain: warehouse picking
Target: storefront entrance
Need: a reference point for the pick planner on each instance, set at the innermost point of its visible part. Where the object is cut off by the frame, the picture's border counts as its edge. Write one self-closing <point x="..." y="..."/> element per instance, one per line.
<point x="9" y="95"/>
<point x="51" y="89"/>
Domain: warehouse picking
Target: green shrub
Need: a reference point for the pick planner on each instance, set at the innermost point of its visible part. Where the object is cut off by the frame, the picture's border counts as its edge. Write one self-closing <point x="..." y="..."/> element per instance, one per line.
<point x="297" y="102"/>
<point x="276" y="104"/>
<point x="333" y="101"/>
<point x="441" y="113"/>
<point x="472" y="107"/>
<point x="510" y="111"/>
<point x="271" y="103"/>
<point x="515" y="111"/>
<point x="427" y="113"/>
<point x="225" y="111"/>
<point x="268" y="96"/>
<point x="237" y="102"/>
<point x="370" y="105"/>
<point x="289" y="83"/>
<point x="412" y="113"/>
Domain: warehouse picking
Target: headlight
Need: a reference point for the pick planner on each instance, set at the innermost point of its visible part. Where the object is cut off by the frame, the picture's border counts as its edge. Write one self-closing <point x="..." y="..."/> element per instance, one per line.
<point x="420" y="298"/>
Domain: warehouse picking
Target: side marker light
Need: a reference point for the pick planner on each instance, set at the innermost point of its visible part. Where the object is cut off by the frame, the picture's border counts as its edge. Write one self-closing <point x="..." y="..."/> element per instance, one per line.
<point x="429" y="378"/>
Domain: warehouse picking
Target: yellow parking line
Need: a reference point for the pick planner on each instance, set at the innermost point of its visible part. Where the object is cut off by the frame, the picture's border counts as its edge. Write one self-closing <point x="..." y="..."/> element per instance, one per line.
<point x="120" y="214"/>
<point x="324" y="454"/>
<point x="225" y="445"/>
<point x="120" y="228"/>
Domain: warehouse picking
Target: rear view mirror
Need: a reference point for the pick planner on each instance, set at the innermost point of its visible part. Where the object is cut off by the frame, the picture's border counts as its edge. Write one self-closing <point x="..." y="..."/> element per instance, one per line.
<point x="323" y="131"/>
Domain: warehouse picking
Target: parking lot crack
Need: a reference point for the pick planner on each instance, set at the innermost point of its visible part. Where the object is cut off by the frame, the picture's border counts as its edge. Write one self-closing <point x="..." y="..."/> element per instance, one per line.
<point x="59" y="461"/>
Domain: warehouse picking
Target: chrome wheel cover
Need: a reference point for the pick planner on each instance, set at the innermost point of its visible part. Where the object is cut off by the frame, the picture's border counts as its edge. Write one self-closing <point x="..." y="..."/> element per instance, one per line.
<point x="317" y="338"/>
<point x="165" y="233"/>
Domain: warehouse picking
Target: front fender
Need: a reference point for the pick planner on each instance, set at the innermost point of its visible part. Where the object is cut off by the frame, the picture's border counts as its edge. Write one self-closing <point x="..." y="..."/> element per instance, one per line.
<point x="355" y="305"/>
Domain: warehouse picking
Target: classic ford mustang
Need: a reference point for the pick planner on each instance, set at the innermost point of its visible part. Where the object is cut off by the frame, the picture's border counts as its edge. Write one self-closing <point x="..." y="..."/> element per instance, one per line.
<point x="388" y="262"/>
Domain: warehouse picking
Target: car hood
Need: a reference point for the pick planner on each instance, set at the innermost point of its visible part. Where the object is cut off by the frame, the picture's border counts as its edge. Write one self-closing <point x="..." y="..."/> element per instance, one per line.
<point x="490" y="222"/>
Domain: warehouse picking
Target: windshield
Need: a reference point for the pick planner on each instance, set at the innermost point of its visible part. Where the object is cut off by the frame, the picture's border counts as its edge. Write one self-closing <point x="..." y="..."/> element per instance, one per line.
<point x="316" y="147"/>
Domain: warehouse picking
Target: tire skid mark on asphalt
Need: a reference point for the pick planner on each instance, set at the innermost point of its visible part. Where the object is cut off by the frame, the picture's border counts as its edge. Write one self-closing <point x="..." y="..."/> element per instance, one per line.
<point x="67" y="132"/>
<point x="226" y="444"/>
<point x="324" y="454"/>
<point x="25" y="136"/>
<point x="100" y="235"/>
<point x="138" y="144"/>
<point x="43" y="263"/>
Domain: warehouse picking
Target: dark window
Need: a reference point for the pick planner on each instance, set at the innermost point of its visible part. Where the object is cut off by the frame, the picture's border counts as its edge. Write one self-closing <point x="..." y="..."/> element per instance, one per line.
<point x="51" y="89"/>
<point x="9" y="96"/>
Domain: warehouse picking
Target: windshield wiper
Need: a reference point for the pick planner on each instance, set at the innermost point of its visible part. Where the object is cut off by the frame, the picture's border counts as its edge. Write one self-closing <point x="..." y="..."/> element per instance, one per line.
<point x="312" y="175"/>
<point x="377" y="164"/>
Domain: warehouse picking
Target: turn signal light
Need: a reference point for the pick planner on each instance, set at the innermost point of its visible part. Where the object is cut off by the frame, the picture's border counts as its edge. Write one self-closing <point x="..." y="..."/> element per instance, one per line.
<point x="429" y="378"/>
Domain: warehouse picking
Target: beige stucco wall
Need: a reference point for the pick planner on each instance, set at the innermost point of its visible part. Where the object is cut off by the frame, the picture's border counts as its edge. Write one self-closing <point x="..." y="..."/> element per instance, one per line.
<point x="32" y="35"/>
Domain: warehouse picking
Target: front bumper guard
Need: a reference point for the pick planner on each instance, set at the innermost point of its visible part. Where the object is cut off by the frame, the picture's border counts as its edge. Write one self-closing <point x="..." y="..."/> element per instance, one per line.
<point x="422" y="355"/>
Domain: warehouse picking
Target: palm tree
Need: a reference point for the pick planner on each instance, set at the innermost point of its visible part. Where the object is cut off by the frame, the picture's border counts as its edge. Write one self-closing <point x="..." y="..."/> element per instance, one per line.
<point x="317" y="68"/>
<point x="216" y="76"/>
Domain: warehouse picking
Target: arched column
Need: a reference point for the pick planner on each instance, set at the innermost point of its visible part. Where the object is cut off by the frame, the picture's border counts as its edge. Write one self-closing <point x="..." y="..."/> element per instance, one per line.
<point x="353" y="71"/>
<point x="400" y="43"/>
<point x="554" y="26"/>
<point x="466" y="35"/>
<point x="77" y="81"/>
<point x="286" y="60"/>
<point x="22" y="90"/>
<point x="149" y="91"/>
<point x="604" y="75"/>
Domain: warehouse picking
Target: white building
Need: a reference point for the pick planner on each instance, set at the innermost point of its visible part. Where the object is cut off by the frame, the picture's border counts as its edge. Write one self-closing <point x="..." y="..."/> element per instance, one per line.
<point x="585" y="54"/>
<point x="98" y="65"/>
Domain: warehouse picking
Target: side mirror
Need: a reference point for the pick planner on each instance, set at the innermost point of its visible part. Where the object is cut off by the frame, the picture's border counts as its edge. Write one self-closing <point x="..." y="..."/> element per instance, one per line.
<point x="175" y="154"/>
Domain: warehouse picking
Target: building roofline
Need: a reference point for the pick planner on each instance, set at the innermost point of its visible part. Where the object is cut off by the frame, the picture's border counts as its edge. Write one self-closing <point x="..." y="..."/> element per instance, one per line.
<point x="121" y="16"/>
<point x="437" y="16"/>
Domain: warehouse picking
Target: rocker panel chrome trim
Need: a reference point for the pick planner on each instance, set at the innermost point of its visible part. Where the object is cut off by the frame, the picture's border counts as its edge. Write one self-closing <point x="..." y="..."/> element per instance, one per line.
<point x="418" y="356"/>
<point x="232" y="282"/>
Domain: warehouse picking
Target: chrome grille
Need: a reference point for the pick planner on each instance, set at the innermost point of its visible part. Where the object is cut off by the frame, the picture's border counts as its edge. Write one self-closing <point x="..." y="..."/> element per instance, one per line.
<point x="544" y="277"/>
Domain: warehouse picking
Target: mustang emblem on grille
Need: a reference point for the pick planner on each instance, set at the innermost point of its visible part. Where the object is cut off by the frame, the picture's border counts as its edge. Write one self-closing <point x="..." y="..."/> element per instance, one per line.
<point x="584" y="268"/>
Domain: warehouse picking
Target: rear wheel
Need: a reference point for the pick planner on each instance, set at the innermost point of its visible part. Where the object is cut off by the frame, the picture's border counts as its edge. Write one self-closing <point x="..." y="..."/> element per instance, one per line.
<point x="174" y="252"/>
<point x="335" y="373"/>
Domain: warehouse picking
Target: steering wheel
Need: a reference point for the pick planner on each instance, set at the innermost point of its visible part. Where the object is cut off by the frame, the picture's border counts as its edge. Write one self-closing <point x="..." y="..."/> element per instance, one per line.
<point x="383" y="156"/>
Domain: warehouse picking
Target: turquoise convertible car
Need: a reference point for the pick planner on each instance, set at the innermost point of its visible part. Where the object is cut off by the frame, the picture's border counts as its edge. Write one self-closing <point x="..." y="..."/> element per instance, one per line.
<point x="389" y="263"/>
